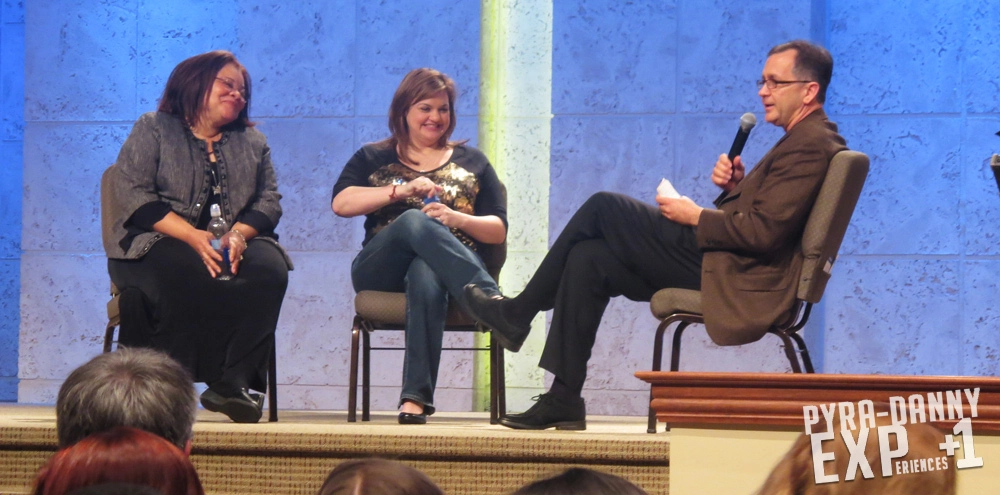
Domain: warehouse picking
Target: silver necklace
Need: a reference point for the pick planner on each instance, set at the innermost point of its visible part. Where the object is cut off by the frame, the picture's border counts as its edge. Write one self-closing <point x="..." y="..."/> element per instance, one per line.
<point x="216" y="186"/>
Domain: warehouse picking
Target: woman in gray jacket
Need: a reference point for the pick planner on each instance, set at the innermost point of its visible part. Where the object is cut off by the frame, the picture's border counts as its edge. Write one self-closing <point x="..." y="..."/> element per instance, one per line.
<point x="200" y="149"/>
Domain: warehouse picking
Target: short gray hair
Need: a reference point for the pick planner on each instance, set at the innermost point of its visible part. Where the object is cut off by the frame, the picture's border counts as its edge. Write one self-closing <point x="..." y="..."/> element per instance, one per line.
<point x="140" y="388"/>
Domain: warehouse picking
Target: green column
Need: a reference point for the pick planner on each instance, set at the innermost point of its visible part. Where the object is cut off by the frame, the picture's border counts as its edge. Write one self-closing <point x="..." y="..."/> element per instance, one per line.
<point x="515" y="113"/>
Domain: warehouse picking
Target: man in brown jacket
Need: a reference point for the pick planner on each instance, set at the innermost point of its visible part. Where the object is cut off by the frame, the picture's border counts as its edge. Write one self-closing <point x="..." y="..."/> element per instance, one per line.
<point x="742" y="255"/>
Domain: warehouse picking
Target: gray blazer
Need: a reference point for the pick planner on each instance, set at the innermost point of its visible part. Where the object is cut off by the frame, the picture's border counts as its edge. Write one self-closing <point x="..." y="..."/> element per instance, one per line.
<point x="162" y="161"/>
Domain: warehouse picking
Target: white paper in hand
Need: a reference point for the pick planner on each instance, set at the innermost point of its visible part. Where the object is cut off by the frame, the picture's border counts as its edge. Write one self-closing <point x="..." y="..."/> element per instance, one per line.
<point x="666" y="189"/>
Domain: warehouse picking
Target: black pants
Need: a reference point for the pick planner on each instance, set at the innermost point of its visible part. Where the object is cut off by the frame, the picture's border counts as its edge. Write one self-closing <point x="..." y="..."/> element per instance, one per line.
<point x="613" y="246"/>
<point x="221" y="331"/>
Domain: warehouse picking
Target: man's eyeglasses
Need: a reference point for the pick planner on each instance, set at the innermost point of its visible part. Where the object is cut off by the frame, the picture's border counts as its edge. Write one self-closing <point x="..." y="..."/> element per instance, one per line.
<point x="231" y="86"/>
<point x="774" y="83"/>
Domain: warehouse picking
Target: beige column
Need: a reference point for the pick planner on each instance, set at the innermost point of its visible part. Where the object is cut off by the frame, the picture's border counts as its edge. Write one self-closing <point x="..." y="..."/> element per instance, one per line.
<point x="515" y="113"/>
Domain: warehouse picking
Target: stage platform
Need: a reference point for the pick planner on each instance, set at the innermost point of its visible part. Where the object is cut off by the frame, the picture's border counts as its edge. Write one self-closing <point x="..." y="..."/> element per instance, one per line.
<point x="461" y="452"/>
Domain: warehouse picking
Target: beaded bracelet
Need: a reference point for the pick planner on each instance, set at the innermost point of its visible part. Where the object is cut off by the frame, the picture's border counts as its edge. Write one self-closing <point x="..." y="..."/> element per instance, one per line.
<point x="242" y="238"/>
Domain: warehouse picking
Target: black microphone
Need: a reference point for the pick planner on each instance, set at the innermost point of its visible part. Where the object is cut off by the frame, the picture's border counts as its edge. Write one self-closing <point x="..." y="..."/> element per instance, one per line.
<point x="747" y="121"/>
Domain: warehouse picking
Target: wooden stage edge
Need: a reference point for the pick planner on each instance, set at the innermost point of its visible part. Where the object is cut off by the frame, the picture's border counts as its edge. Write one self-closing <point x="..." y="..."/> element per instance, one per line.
<point x="777" y="399"/>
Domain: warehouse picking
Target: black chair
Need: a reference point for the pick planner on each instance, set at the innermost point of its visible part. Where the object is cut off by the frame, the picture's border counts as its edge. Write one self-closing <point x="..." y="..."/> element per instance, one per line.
<point x="824" y="231"/>
<point x="387" y="311"/>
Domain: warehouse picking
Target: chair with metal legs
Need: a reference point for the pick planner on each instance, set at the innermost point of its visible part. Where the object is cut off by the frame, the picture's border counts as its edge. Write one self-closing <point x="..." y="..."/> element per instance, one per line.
<point x="824" y="231"/>
<point x="377" y="310"/>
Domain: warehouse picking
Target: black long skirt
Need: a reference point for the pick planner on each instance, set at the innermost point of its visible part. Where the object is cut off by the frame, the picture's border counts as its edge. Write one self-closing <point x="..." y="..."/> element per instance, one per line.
<point x="221" y="331"/>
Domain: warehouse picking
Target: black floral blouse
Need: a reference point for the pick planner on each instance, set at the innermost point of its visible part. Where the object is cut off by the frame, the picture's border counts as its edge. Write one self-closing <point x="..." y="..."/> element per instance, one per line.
<point x="469" y="185"/>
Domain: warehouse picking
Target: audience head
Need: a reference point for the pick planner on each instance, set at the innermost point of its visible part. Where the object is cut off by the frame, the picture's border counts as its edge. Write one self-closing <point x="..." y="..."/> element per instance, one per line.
<point x="189" y="88"/>
<point x="794" y="474"/>
<point x="119" y="455"/>
<point x="419" y="85"/>
<point x="812" y="63"/>
<point x="377" y="477"/>
<point x="140" y="388"/>
<point x="578" y="481"/>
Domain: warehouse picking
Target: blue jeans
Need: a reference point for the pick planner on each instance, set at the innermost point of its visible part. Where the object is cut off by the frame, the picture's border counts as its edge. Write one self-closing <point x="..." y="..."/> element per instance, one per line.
<point x="418" y="255"/>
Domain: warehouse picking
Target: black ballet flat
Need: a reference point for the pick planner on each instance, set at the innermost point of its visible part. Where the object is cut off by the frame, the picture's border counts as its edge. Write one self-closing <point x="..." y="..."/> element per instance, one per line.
<point x="406" y="418"/>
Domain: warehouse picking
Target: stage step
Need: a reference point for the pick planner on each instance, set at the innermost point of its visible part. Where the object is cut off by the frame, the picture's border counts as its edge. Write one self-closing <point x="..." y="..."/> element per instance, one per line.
<point x="461" y="452"/>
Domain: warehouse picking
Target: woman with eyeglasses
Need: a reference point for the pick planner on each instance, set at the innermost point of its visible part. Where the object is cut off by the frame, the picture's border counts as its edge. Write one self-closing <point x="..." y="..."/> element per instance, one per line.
<point x="199" y="149"/>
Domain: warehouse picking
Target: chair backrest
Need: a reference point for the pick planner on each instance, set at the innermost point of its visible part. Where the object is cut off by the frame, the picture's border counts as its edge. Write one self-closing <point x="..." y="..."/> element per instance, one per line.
<point x="495" y="255"/>
<point x="107" y="216"/>
<point x="828" y="221"/>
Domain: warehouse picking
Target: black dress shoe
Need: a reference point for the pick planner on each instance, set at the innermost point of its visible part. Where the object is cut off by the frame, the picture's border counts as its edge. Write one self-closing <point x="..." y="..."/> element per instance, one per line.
<point x="241" y="407"/>
<point x="486" y="310"/>
<point x="549" y="412"/>
<point x="406" y="418"/>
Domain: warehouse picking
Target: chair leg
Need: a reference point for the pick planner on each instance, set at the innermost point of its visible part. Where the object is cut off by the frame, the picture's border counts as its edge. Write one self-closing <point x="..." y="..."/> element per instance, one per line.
<point x="793" y="358"/>
<point x="366" y="375"/>
<point x="352" y="390"/>
<point x="109" y="335"/>
<point x="675" y="357"/>
<point x="494" y="399"/>
<point x="657" y="363"/>
<point x="675" y="351"/>
<point x="272" y="385"/>
<point x="803" y="351"/>
<point x="501" y="382"/>
<point x="498" y="386"/>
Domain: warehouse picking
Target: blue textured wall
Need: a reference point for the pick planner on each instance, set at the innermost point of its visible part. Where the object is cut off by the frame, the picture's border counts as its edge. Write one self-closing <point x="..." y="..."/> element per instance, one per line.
<point x="916" y="289"/>
<point x="11" y="135"/>
<point x="641" y="90"/>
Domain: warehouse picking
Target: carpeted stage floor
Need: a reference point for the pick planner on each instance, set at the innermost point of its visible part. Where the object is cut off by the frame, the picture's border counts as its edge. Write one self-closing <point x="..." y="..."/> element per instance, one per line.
<point x="462" y="452"/>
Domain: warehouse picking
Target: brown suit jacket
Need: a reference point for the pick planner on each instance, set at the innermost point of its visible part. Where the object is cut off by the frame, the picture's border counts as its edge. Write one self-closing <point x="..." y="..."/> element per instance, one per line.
<point x="751" y="242"/>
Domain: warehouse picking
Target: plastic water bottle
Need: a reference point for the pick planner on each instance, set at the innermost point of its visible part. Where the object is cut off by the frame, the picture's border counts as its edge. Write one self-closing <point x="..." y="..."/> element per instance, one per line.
<point x="218" y="227"/>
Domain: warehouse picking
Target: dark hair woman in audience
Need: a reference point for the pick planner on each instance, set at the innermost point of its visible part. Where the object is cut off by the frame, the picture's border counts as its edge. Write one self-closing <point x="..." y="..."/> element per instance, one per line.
<point x="377" y="477"/>
<point x="119" y="455"/>
<point x="429" y="203"/>
<point x="579" y="481"/>
<point x="197" y="150"/>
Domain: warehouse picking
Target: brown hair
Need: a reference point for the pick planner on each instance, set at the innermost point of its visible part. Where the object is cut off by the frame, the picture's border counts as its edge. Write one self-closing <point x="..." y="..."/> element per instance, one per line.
<point x="794" y="473"/>
<point x="579" y="481"/>
<point x="119" y="455"/>
<point x="377" y="477"/>
<point x="418" y="85"/>
<point x="190" y="84"/>
<point x="812" y="63"/>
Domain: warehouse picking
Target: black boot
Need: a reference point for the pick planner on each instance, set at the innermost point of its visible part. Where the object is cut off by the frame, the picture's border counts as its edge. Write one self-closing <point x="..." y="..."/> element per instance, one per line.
<point x="488" y="311"/>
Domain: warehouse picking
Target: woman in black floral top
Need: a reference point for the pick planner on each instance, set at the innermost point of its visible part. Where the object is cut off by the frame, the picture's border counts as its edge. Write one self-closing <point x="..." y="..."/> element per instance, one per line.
<point x="429" y="202"/>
